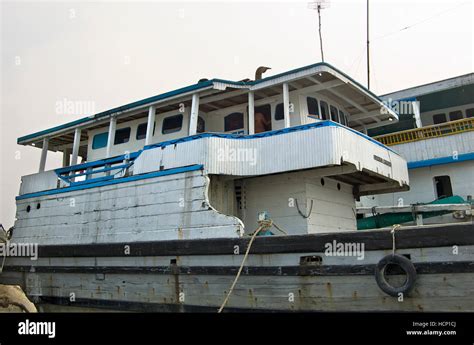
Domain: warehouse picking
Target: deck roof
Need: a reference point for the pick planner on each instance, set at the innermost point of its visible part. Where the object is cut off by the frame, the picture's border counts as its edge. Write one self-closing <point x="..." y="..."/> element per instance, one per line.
<point x="362" y="105"/>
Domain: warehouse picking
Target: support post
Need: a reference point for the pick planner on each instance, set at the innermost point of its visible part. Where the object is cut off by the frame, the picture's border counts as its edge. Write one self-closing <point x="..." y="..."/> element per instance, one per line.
<point x="111" y="137"/>
<point x="75" y="146"/>
<point x="44" y="153"/>
<point x="66" y="157"/>
<point x="193" y="116"/>
<point x="150" y="125"/>
<point x="251" y="113"/>
<point x="286" y="104"/>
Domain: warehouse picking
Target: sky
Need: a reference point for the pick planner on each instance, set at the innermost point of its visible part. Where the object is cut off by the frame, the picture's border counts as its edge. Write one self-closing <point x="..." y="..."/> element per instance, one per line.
<point x="102" y="54"/>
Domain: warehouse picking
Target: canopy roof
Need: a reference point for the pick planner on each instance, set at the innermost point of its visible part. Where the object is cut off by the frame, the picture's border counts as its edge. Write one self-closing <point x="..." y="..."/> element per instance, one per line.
<point x="365" y="109"/>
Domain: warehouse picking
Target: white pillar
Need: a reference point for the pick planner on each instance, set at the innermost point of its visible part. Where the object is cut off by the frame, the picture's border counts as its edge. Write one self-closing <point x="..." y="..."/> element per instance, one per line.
<point x="150" y="125"/>
<point x="251" y="114"/>
<point x="193" y="116"/>
<point x="286" y="104"/>
<point x="416" y="112"/>
<point x="44" y="153"/>
<point x="75" y="146"/>
<point x="111" y="137"/>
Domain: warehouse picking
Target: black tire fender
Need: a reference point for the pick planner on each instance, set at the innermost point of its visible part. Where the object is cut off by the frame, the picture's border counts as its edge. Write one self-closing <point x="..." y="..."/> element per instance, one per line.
<point x="405" y="264"/>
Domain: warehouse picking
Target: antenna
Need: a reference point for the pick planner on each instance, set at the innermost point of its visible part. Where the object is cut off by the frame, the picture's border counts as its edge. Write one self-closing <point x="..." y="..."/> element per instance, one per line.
<point x="319" y="5"/>
<point x="368" y="51"/>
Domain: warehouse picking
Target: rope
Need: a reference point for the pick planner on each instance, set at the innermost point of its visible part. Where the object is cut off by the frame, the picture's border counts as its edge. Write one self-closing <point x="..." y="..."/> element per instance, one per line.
<point x="301" y="213"/>
<point x="394" y="227"/>
<point x="263" y="225"/>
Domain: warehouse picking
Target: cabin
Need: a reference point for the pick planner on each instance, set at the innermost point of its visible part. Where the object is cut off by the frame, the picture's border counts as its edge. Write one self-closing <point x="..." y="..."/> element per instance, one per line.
<point x="435" y="134"/>
<point x="292" y="146"/>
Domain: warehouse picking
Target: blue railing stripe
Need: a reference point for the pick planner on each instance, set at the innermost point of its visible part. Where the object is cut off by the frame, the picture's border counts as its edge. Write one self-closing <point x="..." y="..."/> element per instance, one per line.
<point x="113" y="181"/>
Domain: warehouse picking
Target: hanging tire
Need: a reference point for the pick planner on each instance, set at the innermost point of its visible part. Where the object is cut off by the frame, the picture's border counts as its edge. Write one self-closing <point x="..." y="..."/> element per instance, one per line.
<point x="405" y="264"/>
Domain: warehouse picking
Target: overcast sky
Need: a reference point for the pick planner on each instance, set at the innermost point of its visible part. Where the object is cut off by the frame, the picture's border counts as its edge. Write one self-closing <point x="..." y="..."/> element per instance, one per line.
<point x="111" y="53"/>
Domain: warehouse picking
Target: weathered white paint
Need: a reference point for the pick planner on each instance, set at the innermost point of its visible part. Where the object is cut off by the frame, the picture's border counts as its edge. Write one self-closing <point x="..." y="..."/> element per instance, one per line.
<point x="448" y="146"/>
<point x="111" y="136"/>
<point x="193" y="116"/>
<point x="258" y="156"/>
<point x="251" y="114"/>
<point x="75" y="147"/>
<point x="44" y="153"/>
<point x="161" y="208"/>
<point x="37" y="182"/>
<point x="281" y="195"/>
<point x="422" y="186"/>
<point x="150" y="124"/>
<point x="286" y="105"/>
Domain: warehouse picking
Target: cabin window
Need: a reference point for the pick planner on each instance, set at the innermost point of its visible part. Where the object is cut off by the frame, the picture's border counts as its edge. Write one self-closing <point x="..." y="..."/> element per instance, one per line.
<point x="313" y="108"/>
<point x="279" y="112"/>
<point x="122" y="136"/>
<point x="201" y="125"/>
<point x="263" y="118"/>
<point x="443" y="186"/>
<point x="455" y="115"/>
<point x="334" y="114"/>
<point x="233" y="122"/>
<point x="100" y="140"/>
<point x="324" y="110"/>
<point x="172" y="124"/>
<point x="342" y="118"/>
<point x="439" y="118"/>
<point x="470" y="112"/>
<point x="141" y="130"/>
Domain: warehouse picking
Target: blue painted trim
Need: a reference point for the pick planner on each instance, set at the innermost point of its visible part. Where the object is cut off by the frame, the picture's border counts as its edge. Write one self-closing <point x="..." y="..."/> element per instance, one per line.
<point x="439" y="161"/>
<point x="189" y="88"/>
<point x="325" y="123"/>
<point x="101" y="162"/>
<point x="116" y="181"/>
<point x="92" y="172"/>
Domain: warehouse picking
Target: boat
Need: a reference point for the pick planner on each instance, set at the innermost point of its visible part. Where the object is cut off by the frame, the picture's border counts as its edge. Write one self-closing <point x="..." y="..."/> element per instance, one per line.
<point x="231" y="196"/>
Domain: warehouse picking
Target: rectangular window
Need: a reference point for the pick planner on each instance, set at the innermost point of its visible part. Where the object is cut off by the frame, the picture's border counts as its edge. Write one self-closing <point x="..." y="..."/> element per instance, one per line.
<point x="439" y="118"/>
<point x="279" y="112"/>
<point x="172" y="124"/>
<point x="334" y="114"/>
<point x="342" y="118"/>
<point x="141" y="130"/>
<point x="233" y="122"/>
<point x="122" y="136"/>
<point x="443" y="186"/>
<point x="455" y="115"/>
<point x="313" y="108"/>
<point x="470" y="112"/>
<point x="324" y="111"/>
<point x="100" y="140"/>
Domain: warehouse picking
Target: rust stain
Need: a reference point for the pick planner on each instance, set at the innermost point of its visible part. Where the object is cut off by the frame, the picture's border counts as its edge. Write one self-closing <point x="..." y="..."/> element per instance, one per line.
<point x="180" y="233"/>
<point x="354" y="294"/>
<point x="329" y="289"/>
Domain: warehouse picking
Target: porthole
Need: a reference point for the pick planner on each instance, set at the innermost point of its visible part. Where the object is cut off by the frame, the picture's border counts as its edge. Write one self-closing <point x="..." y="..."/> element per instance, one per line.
<point x="322" y="182"/>
<point x="28" y="208"/>
<point x="338" y="186"/>
<point x="38" y="206"/>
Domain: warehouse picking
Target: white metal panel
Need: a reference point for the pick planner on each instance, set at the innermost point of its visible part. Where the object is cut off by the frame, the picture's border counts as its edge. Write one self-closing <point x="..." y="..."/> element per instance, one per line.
<point x="38" y="182"/>
<point x="440" y="147"/>
<point x="304" y="149"/>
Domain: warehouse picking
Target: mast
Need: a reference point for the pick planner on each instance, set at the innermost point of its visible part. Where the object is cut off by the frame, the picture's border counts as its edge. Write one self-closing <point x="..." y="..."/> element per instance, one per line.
<point x="368" y="49"/>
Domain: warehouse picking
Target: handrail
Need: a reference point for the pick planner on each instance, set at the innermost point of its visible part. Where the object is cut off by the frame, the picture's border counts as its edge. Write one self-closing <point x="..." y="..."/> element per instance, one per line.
<point x="427" y="132"/>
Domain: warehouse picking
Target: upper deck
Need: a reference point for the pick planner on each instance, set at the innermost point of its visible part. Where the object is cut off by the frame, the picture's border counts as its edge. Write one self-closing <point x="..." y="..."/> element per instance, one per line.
<point x="217" y="110"/>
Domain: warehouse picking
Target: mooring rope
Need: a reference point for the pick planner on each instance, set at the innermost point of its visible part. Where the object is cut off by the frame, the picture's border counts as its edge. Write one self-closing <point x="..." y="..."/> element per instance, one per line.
<point x="394" y="227"/>
<point x="263" y="225"/>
